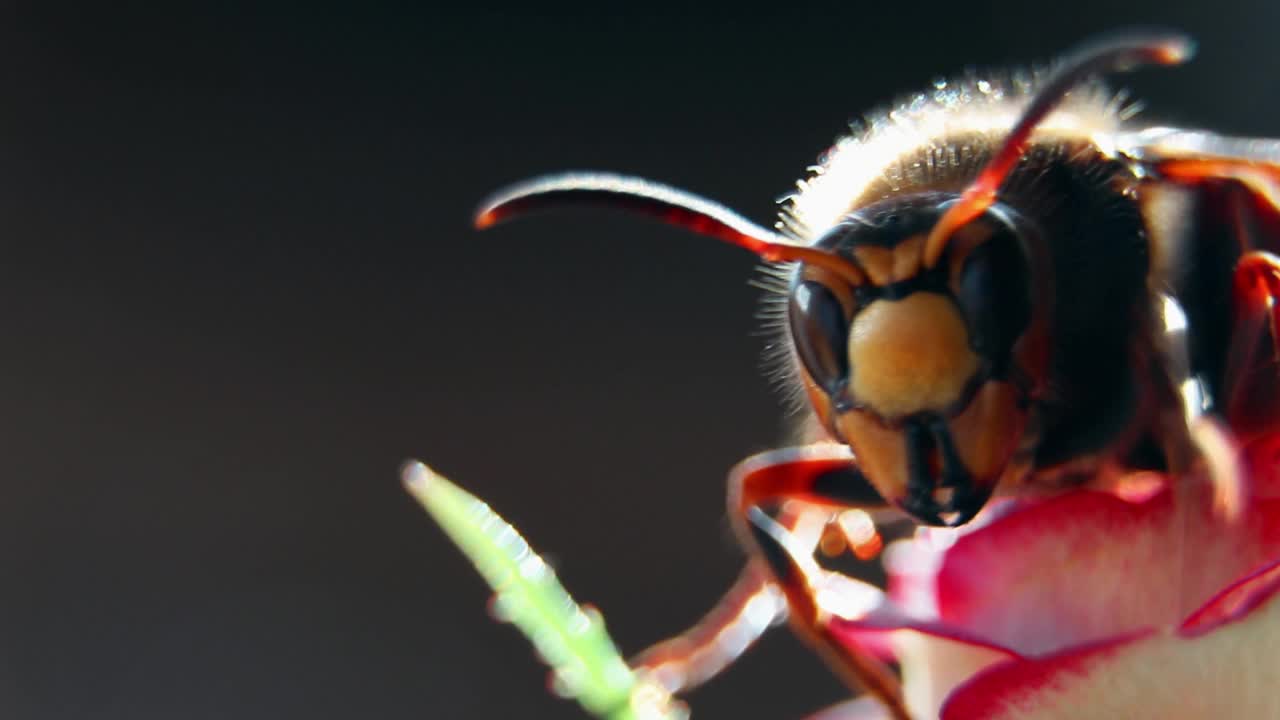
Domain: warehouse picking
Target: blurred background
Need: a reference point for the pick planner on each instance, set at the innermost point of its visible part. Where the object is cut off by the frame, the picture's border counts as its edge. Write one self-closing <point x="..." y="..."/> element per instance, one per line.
<point x="238" y="288"/>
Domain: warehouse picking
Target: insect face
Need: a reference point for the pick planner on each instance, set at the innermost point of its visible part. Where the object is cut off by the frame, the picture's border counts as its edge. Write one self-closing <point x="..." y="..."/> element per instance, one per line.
<point x="927" y="372"/>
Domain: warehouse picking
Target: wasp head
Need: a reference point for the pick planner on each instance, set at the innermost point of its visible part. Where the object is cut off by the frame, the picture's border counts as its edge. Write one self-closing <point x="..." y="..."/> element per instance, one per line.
<point x="925" y="371"/>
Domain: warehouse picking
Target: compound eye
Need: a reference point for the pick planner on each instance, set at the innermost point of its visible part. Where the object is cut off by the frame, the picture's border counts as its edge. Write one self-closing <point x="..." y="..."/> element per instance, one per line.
<point x="994" y="290"/>
<point x="820" y="330"/>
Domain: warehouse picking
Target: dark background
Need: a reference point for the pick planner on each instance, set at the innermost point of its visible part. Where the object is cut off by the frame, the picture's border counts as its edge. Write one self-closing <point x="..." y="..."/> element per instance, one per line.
<point x="238" y="288"/>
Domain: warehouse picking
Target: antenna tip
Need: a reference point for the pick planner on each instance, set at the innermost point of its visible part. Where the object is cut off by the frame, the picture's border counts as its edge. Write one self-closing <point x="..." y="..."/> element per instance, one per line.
<point x="484" y="219"/>
<point x="1175" y="49"/>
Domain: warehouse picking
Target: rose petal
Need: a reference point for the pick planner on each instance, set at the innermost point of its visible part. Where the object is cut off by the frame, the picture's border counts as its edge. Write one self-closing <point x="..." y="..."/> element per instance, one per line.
<point x="1230" y="672"/>
<point x="938" y="661"/>
<point x="988" y="693"/>
<point x="937" y="665"/>
<point x="1085" y="566"/>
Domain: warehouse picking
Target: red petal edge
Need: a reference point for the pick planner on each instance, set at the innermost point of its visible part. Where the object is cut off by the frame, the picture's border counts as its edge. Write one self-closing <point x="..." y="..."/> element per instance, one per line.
<point x="1235" y="602"/>
<point x="1000" y="686"/>
<point x="995" y="689"/>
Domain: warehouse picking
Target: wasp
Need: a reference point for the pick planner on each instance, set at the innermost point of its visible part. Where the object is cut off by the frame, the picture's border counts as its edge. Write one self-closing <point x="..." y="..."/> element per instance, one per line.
<point x="1002" y="285"/>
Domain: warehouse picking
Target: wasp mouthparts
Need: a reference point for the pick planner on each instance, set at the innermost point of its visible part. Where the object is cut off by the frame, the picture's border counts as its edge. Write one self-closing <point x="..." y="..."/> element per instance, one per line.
<point x="940" y="489"/>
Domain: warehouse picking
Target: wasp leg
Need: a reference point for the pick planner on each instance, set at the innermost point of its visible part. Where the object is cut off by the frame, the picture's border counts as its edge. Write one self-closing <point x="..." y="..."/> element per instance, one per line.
<point x="818" y="476"/>
<point x="737" y="621"/>
<point x="825" y="475"/>
<point x="1231" y="289"/>
<point x="793" y="569"/>
<point x="1230" y="210"/>
<point x="1251" y="399"/>
<point x="1191" y="435"/>
<point x="1185" y="402"/>
<point x="742" y="615"/>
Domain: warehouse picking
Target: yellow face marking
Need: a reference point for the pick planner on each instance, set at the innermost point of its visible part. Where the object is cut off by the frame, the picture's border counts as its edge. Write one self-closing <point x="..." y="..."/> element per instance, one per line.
<point x="910" y="355"/>
<point x="877" y="262"/>
<point x="888" y="265"/>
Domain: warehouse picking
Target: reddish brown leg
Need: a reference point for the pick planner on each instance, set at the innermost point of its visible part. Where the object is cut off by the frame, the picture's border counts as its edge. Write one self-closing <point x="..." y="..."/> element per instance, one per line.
<point x="1237" y="182"/>
<point x="819" y="476"/>
<point x="1252" y="397"/>
<point x="737" y="621"/>
<point x="824" y="475"/>
<point x="859" y="669"/>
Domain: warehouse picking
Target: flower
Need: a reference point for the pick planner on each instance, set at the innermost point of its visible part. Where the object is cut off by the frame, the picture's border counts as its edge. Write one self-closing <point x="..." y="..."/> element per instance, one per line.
<point x="1147" y="601"/>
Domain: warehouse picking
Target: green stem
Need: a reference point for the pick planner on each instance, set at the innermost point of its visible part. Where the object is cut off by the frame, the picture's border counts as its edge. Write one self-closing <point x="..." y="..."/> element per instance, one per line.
<point x="571" y="639"/>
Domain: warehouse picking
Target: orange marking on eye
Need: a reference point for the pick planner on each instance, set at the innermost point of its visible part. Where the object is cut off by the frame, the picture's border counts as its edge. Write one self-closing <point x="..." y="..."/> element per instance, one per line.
<point x="910" y="355"/>
<point x="835" y="283"/>
<point x="962" y="244"/>
<point x="976" y="199"/>
<point x="819" y="400"/>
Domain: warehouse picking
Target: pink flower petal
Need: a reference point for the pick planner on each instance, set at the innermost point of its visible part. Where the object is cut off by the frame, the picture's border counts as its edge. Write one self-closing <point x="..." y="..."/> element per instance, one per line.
<point x="1086" y="566"/>
<point x="1230" y="672"/>
<point x="936" y="666"/>
<point x="987" y="693"/>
